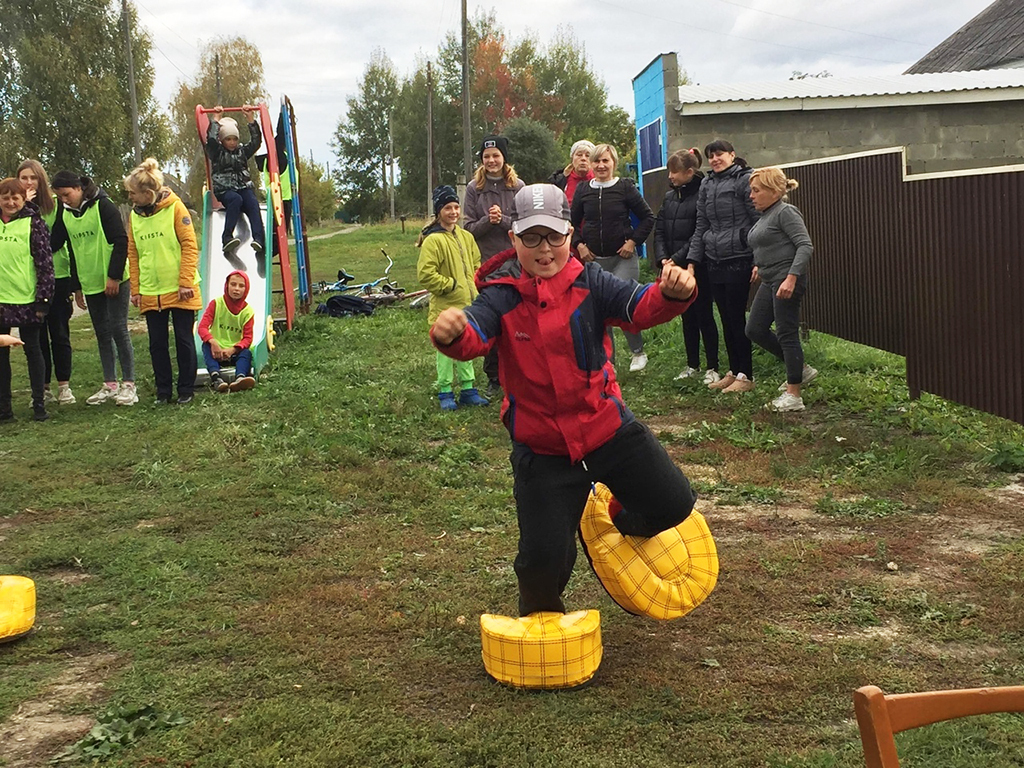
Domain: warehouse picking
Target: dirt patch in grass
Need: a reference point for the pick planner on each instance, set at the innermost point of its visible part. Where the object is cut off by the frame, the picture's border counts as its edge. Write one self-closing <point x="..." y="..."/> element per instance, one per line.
<point x="40" y="727"/>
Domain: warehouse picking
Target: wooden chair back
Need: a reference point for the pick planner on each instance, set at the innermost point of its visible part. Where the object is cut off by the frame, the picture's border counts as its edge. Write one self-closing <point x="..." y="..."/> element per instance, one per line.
<point x="880" y="716"/>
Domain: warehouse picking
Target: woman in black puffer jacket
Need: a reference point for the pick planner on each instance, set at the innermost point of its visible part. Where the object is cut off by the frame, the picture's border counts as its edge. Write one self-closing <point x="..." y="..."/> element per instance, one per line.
<point x="673" y="229"/>
<point x="725" y="215"/>
<point x="603" y="232"/>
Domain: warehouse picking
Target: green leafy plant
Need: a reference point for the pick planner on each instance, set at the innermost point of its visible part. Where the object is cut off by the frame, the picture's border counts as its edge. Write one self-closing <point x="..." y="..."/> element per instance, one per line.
<point x="118" y="728"/>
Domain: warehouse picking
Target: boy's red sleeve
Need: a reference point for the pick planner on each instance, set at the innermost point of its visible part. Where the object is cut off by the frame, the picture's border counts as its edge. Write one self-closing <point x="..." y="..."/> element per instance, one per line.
<point x="654" y="308"/>
<point x="207" y="321"/>
<point x="469" y="345"/>
<point x="246" y="341"/>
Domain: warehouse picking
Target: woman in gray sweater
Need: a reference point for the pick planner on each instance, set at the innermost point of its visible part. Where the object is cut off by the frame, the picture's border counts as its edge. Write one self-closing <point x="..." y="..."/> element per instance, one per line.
<point x="782" y="249"/>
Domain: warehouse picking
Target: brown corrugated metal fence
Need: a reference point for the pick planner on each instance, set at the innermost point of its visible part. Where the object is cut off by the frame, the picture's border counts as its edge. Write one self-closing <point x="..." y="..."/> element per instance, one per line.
<point x="931" y="269"/>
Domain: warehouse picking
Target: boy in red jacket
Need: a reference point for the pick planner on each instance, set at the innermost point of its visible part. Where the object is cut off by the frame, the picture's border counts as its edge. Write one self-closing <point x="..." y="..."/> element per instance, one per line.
<point x="549" y="315"/>
<point x="226" y="331"/>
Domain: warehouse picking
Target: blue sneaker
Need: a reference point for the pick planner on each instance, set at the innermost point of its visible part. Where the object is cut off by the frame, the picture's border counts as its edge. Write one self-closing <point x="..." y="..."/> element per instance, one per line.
<point x="447" y="400"/>
<point x="472" y="397"/>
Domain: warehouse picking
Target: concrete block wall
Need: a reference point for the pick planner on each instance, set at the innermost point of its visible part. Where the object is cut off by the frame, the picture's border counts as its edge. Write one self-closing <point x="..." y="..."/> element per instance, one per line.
<point x="938" y="137"/>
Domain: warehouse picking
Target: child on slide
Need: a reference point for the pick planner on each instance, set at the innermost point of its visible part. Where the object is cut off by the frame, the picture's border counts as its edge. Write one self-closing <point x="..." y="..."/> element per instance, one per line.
<point x="549" y="315"/>
<point x="226" y="331"/>
<point x="232" y="185"/>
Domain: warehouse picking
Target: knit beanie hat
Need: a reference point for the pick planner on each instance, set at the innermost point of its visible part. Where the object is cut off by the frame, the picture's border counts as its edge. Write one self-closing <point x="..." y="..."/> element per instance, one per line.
<point x="581" y="144"/>
<point x="442" y="196"/>
<point x="228" y="128"/>
<point x="499" y="143"/>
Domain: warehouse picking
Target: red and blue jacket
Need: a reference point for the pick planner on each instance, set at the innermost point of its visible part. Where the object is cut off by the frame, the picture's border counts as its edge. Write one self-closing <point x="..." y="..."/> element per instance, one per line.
<point x="561" y="396"/>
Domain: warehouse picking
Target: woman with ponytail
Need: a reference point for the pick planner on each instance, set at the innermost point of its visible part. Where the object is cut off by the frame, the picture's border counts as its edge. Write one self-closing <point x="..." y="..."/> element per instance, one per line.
<point x="673" y="229"/>
<point x="99" y="247"/>
<point x="164" y="258"/>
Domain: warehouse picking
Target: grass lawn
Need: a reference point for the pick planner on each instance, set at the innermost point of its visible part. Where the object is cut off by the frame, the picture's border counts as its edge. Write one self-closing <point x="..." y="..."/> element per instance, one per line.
<point x="297" y="572"/>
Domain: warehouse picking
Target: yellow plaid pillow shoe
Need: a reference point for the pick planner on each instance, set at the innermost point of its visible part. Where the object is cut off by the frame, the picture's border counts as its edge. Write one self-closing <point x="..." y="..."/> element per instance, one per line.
<point x="544" y="650"/>
<point x="664" y="576"/>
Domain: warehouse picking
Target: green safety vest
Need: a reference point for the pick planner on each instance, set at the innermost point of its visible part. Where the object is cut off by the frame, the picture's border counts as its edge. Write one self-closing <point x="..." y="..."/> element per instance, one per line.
<point x="61" y="258"/>
<point x="92" y="251"/>
<point x="227" y="328"/>
<point x="17" y="269"/>
<point x="286" y="185"/>
<point x="159" y="252"/>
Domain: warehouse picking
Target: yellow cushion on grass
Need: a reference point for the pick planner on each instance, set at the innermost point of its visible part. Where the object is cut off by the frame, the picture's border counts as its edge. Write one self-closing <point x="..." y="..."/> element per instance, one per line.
<point x="542" y="650"/>
<point x="664" y="576"/>
<point x="17" y="606"/>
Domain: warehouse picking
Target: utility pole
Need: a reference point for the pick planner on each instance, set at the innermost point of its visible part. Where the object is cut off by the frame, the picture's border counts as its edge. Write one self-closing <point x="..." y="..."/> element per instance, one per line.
<point x="131" y="83"/>
<point x="467" y="147"/>
<point x="216" y="70"/>
<point x="391" y="165"/>
<point x="430" y="140"/>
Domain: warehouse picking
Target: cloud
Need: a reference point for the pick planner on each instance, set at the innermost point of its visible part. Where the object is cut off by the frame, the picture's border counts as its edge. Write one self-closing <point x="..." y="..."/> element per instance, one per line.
<point x="315" y="51"/>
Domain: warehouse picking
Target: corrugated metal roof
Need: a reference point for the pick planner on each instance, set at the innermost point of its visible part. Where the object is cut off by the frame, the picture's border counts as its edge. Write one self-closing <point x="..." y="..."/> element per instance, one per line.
<point x="993" y="37"/>
<point x="845" y="87"/>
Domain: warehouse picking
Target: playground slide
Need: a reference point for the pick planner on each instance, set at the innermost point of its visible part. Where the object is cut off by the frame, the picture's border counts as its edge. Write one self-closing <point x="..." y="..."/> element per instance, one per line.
<point x="214" y="268"/>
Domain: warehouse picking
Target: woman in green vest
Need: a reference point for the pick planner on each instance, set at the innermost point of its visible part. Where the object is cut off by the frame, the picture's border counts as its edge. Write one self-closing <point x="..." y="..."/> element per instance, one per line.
<point x="164" y="258"/>
<point x="99" y="247"/>
<point x="26" y="287"/>
<point x="55" y="339"/>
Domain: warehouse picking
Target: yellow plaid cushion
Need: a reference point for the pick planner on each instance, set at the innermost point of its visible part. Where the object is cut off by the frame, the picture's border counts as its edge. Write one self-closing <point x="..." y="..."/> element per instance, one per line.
<point x="17" y="606"/>
<point x="542" y="650"/>
<point x="665" y="576"/>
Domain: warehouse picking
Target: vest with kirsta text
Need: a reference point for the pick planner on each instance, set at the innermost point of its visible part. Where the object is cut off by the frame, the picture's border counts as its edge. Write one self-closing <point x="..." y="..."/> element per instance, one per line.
<point x="61" y="258"/>
<point x="17" y="269"/>
<point x="92" y="251"/>
<point x="227" y="328"/>
<point x="159" y="252"/>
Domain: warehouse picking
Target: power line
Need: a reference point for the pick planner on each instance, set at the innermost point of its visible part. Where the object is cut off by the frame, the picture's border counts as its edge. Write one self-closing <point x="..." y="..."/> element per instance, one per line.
<point x="817" y="24"/>
<point x="690" y="26"/>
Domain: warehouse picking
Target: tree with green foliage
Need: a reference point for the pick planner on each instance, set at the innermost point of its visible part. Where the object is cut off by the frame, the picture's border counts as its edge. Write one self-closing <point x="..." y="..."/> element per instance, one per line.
<point x="319" y="198"/>
<point x="362" y="141"/>
<point x="230" y="73"/>
<point x="533" y="149"/>
<point x="64" y="88"/>
<point x="553" y="85"/>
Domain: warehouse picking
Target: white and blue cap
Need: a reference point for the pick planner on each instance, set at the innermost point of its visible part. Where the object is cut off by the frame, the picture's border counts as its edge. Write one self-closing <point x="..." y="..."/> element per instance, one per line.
<point x="541" y="205"/>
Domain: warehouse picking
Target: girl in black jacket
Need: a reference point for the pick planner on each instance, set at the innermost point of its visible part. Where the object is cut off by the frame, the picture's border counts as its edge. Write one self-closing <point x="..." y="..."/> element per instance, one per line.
<point x="725" y="215"/>
<point x="673" y="229"/>
<point x="603" y="231"/>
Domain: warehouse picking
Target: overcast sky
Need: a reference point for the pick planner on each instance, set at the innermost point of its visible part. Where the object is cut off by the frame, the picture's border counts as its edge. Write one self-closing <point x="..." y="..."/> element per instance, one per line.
<point x="315" y="51"/>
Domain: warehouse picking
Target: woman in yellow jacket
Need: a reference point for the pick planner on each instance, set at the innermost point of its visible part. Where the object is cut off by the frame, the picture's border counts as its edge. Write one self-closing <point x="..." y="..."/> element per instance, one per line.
<point x="449" y="259"/>
<point x="163" y="261"/>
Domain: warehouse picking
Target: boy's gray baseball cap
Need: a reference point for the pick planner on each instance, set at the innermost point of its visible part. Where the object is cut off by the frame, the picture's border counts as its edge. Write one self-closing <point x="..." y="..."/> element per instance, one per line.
<point x="541" y="205"/>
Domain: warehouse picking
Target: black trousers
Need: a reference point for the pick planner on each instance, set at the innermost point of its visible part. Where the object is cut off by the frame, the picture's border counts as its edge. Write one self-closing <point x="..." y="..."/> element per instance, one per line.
<point x="699" y="320"/>
<point x="29" y="333"/>
<point x="184" y="346"/>
<point x="551" y="493"/>
<point x="55" y="339"/>
<point x="731" y="300"/>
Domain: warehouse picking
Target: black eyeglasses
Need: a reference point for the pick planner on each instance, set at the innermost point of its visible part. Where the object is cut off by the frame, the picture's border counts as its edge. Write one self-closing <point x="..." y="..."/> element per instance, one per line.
<point x="532" y="239"/>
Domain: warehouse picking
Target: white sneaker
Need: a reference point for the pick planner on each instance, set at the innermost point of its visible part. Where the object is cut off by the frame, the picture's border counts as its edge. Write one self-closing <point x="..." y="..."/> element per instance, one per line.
<point x="809" y="375"/>
<point x="48" y="396"/>
<point x="638" y="363"/>
<point x="711" y="376"/>
<point x="786" y="402"/>
<point x="64" y="396"/>
<point x="105" y="393"/>
<point x="687" y="373"/>
<point x="126" y="394"/>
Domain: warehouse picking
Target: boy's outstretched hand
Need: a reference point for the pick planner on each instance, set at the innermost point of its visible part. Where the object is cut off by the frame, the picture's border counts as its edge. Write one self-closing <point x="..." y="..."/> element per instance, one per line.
<point x="449" y="325"/>
<point x="6" y="340"/>
<point x="676" y="282"/>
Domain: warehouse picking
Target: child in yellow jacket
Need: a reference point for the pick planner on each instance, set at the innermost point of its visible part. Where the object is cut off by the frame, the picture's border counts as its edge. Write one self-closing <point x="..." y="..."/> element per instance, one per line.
<point x="449" y="259"/>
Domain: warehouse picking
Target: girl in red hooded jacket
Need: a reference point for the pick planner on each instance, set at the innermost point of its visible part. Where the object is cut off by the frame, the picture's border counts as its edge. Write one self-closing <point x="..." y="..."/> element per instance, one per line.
<point x="226" y="331"/>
